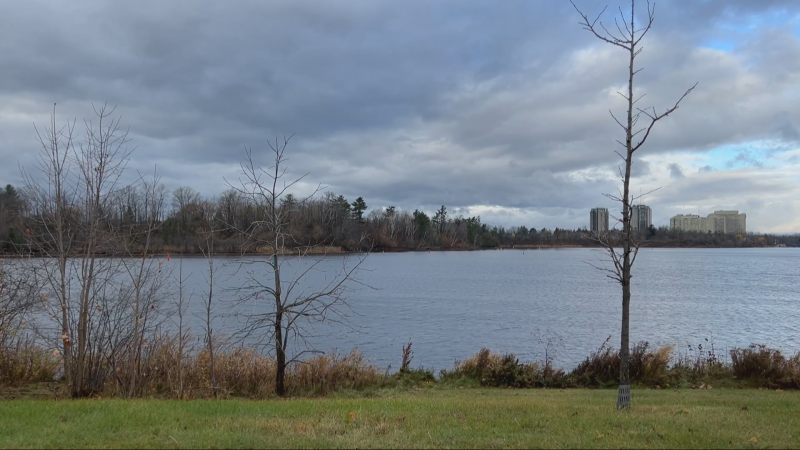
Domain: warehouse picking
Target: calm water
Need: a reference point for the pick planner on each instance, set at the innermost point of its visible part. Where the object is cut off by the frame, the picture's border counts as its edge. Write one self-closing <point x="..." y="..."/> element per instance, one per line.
<point x="450" y="304"/>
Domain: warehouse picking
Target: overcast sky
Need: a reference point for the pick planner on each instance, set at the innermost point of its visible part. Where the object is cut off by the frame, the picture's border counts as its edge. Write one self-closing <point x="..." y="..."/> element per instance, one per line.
<point x="492" y="108"/>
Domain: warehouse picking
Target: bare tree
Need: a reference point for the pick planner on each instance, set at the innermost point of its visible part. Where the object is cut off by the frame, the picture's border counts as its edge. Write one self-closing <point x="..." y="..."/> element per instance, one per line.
<point x="209" y="219"/>
<point x="71" y="203"/>
<point x="19" y="296"/>
<point x="145" y="273"/>
<point x="184" y="201"/>
<point x="628" y="36"/>
<point x="283" y="302"/>
<point x="183" y="334"/>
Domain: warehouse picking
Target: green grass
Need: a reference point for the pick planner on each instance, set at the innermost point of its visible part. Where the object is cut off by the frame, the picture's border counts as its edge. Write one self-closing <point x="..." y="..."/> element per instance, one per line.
<point x="414" y="418"/>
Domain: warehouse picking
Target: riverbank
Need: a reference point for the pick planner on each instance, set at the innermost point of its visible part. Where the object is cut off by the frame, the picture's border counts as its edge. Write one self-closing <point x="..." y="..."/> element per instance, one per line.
<point x="423" y="417"/>
<point x="334" y="250"/>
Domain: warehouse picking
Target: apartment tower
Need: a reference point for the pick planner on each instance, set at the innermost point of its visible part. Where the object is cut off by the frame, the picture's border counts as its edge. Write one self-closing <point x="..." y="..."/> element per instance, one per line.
<point x="598" y="220"/>
<point x="641" y="217"/>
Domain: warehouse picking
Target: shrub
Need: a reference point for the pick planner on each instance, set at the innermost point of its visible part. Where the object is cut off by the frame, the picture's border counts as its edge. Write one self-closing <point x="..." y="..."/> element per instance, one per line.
<point x="21" y="361"/>
<point x="492" y="369"/>
<point x="599" y="369"/>
<point x="765" y="366"/>
<point x="647" y="367"/>
<point x="701" y="365"/>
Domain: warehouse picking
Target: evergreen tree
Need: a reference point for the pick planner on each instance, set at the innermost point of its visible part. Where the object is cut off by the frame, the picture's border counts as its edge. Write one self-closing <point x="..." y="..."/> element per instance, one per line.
<point x="343" y="204"/>
<point x="423" y="222"/>
<point x="440" y="219"/>
<point x="358" y="208"/>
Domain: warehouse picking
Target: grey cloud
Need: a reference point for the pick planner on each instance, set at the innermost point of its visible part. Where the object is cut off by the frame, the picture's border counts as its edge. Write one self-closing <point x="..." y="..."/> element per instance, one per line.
<point x="744" y="158"/>
<point x="640" y="168"/>
<point x="675" y="171"/>
<point x="713" y="189"/>
<point x="705" y="169"/>
<point x="424" y="103"/>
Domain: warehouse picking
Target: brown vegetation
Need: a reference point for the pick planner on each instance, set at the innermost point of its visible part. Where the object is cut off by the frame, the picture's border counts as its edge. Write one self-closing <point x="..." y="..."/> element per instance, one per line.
<point x="245" y="373"/>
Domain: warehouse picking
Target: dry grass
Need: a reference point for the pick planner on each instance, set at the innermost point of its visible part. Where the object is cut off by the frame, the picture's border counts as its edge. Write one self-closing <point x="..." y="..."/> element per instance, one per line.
<point x="21" y="361"/>
<point x="240" y="372"/>
<point x="766" y="367"/>
<point x="244" y="373"/>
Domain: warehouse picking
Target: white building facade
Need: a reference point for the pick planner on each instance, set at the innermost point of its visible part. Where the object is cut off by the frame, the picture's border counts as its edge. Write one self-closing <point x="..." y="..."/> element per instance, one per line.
<point x="687" y="222"/>
<point x="717" y="222"/>
<point x="727" y="222"/>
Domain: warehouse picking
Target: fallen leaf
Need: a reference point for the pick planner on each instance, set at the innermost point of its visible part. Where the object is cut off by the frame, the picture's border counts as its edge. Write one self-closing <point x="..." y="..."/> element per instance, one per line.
<point x="352" y="416"/>
<point x="686" y="411"/>
<point x="754" y="440"/>
<point x="600" y="436"/>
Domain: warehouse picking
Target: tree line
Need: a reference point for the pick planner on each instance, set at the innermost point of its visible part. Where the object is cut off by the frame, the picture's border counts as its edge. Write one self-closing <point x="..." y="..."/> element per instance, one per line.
<point x="186" y="217"/>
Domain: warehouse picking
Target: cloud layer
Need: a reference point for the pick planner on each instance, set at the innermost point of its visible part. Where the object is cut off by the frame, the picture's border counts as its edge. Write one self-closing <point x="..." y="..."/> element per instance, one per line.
<point x="492" y="108"/>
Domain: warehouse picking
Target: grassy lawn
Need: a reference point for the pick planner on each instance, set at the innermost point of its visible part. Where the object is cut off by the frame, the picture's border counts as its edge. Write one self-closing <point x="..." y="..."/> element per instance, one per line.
<point x="414" y="418"/>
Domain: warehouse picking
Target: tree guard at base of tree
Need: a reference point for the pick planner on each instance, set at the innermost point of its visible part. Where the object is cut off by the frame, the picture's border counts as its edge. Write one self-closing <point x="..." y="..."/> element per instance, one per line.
<point x="624" y="397"/>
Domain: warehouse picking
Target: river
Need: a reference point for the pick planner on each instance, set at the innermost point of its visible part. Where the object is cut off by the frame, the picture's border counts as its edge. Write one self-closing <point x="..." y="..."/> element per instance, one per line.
<point x="451" y="304"/>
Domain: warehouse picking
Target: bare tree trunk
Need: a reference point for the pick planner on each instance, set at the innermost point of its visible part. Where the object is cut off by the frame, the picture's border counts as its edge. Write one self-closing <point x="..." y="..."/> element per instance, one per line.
<point x="209" y="329"/>
<point x="181" y="340"/>
<point x="209" y="212"/>
<point x="280" y="353"/>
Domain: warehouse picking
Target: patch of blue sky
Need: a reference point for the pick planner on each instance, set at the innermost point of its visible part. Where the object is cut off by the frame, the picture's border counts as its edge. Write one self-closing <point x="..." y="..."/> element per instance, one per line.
<point x="725" y="46"/>
<point x="760" y="153"/>
<point x="774" y="18"/>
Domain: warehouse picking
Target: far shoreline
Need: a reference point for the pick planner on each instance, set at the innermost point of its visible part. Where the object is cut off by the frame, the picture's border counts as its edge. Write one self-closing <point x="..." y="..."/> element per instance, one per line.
<point x="338" y="251"/>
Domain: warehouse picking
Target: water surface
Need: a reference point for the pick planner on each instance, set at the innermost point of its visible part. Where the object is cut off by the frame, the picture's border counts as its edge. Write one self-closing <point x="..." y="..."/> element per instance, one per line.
<point x="451" y="304"/>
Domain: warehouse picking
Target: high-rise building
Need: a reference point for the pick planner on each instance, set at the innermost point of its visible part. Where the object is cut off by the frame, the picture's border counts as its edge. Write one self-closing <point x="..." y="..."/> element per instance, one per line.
<point x="727" y="222"/>
<point x="641" y="217"/>
<point x="716" y="222"/>
<point x="598" y="220"/>
<point x="688" y="222"/>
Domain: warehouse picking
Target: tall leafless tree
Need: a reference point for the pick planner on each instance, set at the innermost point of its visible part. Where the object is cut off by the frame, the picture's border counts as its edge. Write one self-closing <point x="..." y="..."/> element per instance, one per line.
<point x="71" y="200"/>
<point x="283" y="302"/>
<point x="183" y="333"/>
<point x="146" y="274"/>
<point x="622" y="249"/>
<point x="209" y="212"/>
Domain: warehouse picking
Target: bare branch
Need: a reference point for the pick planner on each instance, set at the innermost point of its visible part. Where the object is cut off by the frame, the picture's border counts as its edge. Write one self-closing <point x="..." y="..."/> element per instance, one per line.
<point x="656" y="117"/>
